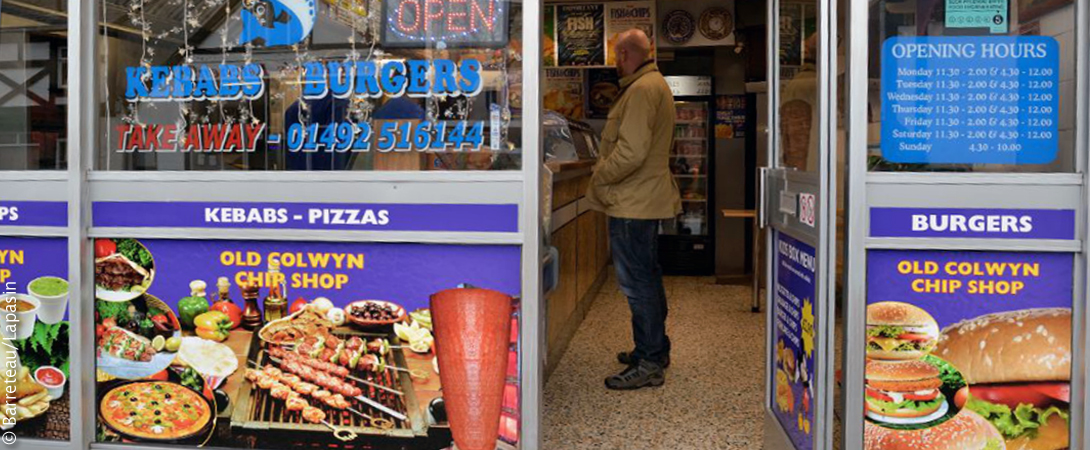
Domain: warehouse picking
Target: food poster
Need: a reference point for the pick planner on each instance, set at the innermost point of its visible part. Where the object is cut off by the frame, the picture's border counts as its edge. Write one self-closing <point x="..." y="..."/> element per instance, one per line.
<point x="603" y="87"/>
<point x="580" y="35"/>
<point x="795" y="268"/>
<point x="247" y="344"/>
<point x="968" y="350"/>
<point x="730" y="116"/>
<point x="34" y="329"/>
<point x="564" y="92"/>
<point x="548" y="38"/>
<point x="791" y="34"/>
<point x="624" y="16"/>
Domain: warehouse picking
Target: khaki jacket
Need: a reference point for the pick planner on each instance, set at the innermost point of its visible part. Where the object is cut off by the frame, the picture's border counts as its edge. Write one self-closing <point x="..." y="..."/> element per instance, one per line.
<point x="632" y="180"/>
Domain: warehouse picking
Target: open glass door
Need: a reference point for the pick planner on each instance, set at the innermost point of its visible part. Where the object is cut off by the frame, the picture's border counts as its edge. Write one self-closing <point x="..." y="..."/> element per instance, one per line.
<point x="796" y="214"/>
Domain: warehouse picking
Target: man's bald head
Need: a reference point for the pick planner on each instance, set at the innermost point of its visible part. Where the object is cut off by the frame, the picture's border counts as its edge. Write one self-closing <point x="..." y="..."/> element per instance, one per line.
<point x="632" y="49"/>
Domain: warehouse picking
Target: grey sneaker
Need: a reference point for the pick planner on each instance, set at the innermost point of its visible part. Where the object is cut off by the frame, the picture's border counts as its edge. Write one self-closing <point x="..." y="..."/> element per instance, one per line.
<point x="636" y="376"/>
<point x="626" y="359"/>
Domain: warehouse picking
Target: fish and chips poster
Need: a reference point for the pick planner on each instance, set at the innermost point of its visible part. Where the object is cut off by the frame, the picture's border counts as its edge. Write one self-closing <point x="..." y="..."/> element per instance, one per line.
<point x="548" y="39"/>
<point x="580" y="31"/>
<point x="269" y="382"/>
<point x="971" y="316"/>
<point x="624" y="16"/>
<point x="33" y="411"/>
<point x="564" y="92"/>
<point x="794" y="325"/>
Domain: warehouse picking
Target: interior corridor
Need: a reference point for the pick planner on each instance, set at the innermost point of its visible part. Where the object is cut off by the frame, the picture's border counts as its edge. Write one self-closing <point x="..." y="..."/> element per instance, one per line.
<point x="714" y="386"/>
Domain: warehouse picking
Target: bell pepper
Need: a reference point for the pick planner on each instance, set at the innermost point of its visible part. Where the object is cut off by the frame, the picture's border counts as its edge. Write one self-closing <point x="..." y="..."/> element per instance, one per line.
<point x="231" y="309"/>
<point x="189" y="308"/>
<point x="213" y="325"/>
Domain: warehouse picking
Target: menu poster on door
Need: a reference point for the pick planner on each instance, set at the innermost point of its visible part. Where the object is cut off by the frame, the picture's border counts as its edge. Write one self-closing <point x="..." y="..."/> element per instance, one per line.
<point x="548" y="38"/>
<point x="793" y="384"/>
<point x="624" y="16"/>
<point x="258" y="344"/>
<point x="580" y="34"/>
<point x="564" y="92"/>
<point x="965" y="348"/>
<point x="34" y="329"/>
<point x="970" y="100"/>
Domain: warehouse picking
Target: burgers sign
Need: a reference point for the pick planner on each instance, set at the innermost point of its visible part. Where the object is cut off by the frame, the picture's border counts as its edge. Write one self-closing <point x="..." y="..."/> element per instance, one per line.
<point x="968" y="369"/>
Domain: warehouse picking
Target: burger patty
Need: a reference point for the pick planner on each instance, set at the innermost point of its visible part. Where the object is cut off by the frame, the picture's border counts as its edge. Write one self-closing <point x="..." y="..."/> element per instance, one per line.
<point x="905" y="386"/>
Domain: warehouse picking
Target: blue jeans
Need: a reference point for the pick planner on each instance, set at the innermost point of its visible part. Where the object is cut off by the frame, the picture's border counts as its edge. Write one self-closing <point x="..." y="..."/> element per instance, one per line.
<point x="634" y="244"/>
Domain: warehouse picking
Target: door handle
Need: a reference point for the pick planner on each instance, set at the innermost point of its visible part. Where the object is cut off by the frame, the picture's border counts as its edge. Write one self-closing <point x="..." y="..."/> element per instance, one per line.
<point x="761" y="206"/>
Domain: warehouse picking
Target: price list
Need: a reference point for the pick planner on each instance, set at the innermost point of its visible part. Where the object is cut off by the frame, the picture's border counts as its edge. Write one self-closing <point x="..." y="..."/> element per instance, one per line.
<point x="964" y="100"/>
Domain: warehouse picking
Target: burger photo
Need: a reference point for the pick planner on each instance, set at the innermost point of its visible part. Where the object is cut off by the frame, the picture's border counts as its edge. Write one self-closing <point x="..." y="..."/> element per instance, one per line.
<point x="904" y="392"/>
<point x="899" y="331"/>
<point x="1018" y="368"/>
<point x="965" y="431"/>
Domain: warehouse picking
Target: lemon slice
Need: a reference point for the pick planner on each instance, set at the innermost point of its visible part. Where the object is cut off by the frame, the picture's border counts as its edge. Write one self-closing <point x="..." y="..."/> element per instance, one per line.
<point x="158" y="343"/>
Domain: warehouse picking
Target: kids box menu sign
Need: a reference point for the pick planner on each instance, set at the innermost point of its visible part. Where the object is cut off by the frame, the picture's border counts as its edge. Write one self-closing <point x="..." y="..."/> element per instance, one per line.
<point x="290" y="338"/>
<point x="793" y="391"/>
<point x="34" y="328"/>
<point x="966" y="100"/>
<point x="364" y="80"/>
<point x="968" y="349"/>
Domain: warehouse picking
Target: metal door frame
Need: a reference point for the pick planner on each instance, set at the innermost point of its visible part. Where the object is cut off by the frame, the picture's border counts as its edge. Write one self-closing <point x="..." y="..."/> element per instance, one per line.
<point x="822" y="236"/>
<point x="1011" y="190"/>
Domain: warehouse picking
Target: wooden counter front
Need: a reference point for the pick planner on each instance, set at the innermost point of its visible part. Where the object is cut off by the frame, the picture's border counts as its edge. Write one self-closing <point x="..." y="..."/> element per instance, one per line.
<point x="582" y="240"/>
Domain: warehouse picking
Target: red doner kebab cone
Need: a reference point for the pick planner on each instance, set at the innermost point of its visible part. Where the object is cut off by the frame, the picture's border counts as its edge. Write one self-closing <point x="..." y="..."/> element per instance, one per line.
<point x="472" y="330"/>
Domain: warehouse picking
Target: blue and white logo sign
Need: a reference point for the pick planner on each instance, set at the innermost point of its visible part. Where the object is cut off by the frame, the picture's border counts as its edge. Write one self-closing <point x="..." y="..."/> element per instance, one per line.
<point x="278" y="22"/>
<point x="970" y="100"/>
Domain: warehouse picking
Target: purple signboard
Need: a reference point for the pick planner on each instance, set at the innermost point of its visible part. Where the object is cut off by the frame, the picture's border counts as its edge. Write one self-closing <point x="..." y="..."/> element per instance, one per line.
<point x="33" y="214"/>
<point x="794" y="325"/>
<point x="972" y="223"/>
<point x="34" y="319"/>
<point x="309" y="216"/>
<point x="990" y="330"/>
<point x="406" y="274"/>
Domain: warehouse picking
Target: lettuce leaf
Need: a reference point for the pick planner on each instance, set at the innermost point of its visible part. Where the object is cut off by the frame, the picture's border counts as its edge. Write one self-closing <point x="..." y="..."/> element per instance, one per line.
<point x="916" y="405"/>
<point x="888" y="331"/>
<point x="1023" y="421"/>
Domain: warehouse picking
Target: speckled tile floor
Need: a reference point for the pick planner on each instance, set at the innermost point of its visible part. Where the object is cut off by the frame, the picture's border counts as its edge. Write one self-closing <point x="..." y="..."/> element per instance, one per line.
<point x="714" y="387"/>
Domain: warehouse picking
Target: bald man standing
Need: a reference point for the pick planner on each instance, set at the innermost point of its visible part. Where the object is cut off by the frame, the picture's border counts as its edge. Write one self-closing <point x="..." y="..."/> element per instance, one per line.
<point x="632" y="184"/>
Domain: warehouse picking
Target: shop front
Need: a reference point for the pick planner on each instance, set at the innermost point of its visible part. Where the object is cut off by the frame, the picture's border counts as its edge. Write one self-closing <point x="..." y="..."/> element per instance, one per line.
<point x="270" y="225"/>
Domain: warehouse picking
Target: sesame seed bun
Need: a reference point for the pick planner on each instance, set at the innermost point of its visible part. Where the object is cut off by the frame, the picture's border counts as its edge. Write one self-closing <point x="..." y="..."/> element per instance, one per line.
<point x="899" y="371"/>
<point x="899" y="314"/>
<point x="1028" y="345"/>
<point x="965" y="431"/>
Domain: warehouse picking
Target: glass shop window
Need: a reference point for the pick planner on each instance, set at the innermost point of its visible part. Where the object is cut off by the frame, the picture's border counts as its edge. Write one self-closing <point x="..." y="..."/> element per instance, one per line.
<point x="33" y="102"/>
<point x="310" y="85"/>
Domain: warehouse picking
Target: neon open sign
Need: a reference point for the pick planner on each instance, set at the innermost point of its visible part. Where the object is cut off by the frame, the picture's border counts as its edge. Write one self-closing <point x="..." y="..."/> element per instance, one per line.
<point x="451" y="23"/>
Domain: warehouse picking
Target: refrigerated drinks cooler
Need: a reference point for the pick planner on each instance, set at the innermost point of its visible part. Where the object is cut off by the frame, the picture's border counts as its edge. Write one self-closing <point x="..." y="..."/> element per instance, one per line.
<point x="685" y="242"/>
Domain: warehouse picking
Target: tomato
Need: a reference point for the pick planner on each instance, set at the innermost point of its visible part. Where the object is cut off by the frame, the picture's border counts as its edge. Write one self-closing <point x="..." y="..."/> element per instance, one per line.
<point x="109" y="322"/>
<point x="1058" y="391"/>
<point x="961" y="397"/>
<point x="161" y="375"/>
<point x="879" y="395"/>
<point x="297" y="305"/>
<point x="1040" y="395"/>
<point x="104" y="248"/>
<point x="915" y="337"/>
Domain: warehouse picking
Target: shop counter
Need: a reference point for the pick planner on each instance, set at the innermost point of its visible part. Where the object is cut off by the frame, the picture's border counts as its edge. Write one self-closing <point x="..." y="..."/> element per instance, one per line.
<point x="580" y="235"/>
